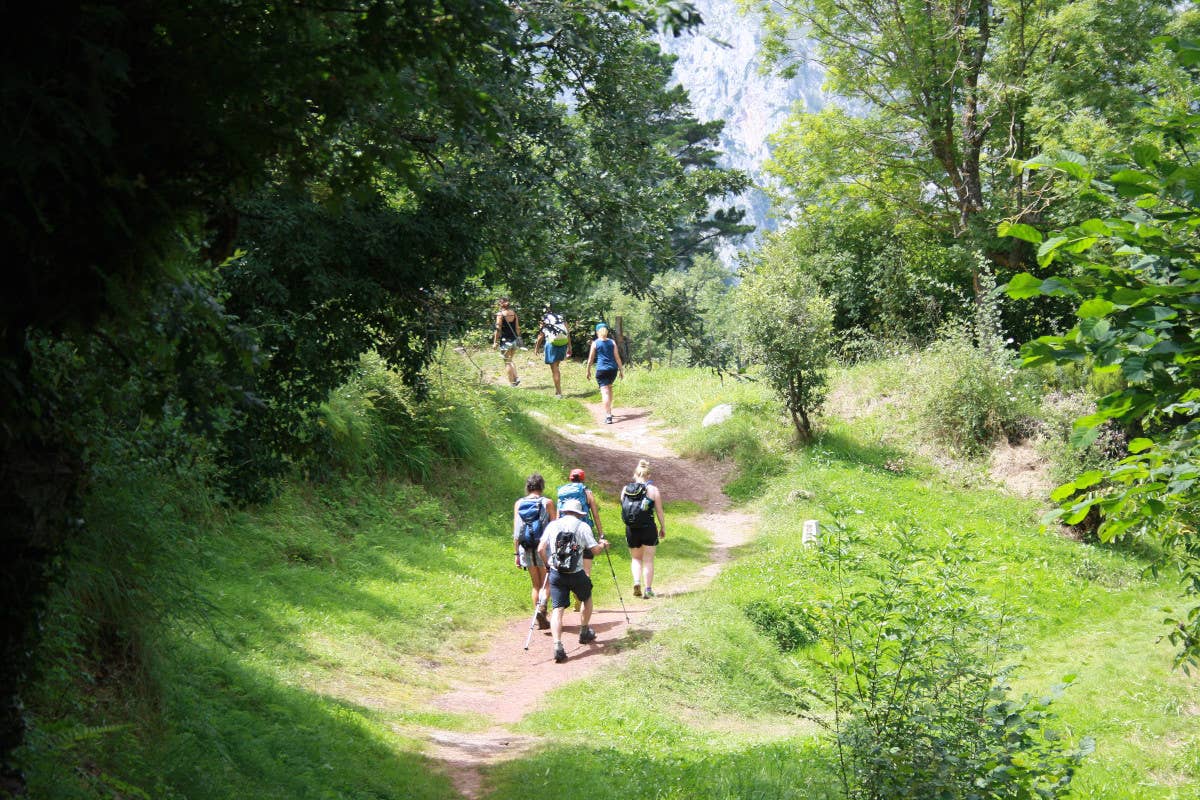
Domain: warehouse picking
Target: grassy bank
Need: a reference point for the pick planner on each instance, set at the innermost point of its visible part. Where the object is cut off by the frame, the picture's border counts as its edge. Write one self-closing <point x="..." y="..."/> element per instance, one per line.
<point x="712" y="709"/>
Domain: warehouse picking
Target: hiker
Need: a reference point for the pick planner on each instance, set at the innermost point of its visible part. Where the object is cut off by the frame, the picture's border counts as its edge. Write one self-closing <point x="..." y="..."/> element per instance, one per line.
<point x="562" y="547"/>
<point x="532" y="515"/>
<point x="607" y="359"/>
<point x="577" y="489"/>
<point x="508" y="338"/>
<point x="641" y="501"/>
<point x="558" y="345"/>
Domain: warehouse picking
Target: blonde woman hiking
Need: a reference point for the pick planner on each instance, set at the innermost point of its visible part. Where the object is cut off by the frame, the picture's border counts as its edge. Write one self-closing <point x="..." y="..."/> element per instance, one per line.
<point x="607" y="358"/>
<point x="532" y="515"/>
<point x="641" y="502"/>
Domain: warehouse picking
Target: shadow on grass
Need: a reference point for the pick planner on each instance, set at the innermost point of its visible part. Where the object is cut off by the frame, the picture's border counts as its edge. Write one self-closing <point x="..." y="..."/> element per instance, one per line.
<point x="652" y="767"/>
<point x="237" y="733"/>
<point x="839" y="445"/>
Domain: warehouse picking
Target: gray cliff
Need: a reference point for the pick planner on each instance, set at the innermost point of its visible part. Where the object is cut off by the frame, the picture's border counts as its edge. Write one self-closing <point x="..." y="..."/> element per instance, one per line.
<point x="721" y="68"/>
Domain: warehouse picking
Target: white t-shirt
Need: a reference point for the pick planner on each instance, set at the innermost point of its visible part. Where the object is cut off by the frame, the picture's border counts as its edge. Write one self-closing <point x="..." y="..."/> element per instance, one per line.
<point x="569" y="522"/>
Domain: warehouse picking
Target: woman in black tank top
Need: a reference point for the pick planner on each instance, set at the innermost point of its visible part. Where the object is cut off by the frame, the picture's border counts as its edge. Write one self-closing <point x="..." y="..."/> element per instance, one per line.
<point x="508" y="338"/>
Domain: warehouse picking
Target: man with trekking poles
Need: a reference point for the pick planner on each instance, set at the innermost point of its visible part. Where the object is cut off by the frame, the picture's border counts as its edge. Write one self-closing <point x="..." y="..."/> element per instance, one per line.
<point x="562" y="548"/>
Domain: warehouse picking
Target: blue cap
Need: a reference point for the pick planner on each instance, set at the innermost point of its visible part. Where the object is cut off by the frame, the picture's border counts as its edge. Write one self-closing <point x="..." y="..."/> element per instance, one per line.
<point x="600" y="325"/>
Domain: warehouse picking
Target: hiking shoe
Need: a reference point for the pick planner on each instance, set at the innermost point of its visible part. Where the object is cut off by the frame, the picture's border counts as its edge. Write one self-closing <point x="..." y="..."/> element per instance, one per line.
<point x="558" y="397"/>
<point x="543" y="622"/>
<point x="560" y="655"/>
<point x="587" y="635"/>
<point x="649" y="593"/>
<point x="637" y="590"/>
<point x="608" y="419"/>
<point x="517" y="382"/>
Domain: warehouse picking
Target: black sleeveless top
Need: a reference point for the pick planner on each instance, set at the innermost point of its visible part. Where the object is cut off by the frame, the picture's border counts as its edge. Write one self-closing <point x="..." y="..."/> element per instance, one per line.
<point x="508" y="329"/>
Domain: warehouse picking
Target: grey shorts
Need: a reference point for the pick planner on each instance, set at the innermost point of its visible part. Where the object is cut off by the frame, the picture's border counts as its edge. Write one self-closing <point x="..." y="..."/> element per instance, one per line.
<point x="537" y="559"/>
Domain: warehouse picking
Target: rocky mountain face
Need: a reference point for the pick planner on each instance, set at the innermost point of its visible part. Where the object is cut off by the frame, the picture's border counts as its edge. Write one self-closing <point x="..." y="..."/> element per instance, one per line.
<point x="721" y="68"/>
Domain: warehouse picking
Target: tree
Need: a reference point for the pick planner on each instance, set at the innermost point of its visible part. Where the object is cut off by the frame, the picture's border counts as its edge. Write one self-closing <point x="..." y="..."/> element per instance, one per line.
<point x="788" y="324"/>
<point x="948" y="90"/>
<point x="1134" y="277"/>
<point x="223" y="204"/>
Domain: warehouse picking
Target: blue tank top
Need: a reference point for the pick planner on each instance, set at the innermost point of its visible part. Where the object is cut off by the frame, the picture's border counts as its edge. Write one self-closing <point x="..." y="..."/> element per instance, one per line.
<point x="604" y="355"/>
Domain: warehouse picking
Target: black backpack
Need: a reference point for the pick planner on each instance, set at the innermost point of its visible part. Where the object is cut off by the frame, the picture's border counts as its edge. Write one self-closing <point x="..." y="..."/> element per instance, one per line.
<point x="534" y="516"/>
<point x="568" y="554"/>
<point x="637" y="509"/>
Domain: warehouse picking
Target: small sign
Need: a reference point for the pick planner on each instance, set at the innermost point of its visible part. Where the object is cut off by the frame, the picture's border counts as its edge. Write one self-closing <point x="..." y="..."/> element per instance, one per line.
<point x="812" y="532"/>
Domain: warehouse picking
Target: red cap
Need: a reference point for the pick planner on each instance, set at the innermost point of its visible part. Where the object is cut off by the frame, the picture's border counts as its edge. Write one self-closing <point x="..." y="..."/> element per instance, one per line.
<point x="577" y="475"/>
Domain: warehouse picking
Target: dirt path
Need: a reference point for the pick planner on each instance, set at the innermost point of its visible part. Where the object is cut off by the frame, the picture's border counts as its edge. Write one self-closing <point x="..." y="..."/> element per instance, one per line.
<point x="508" y="682"/>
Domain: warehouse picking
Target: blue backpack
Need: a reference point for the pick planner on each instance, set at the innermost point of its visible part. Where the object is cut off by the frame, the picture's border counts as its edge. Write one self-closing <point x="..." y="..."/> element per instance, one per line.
<point x="534" y="518"/>
<point x="577" y="491"/>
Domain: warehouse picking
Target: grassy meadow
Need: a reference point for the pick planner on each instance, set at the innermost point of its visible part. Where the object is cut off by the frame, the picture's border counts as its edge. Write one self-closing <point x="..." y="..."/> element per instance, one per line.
<point x="299" y="644"/>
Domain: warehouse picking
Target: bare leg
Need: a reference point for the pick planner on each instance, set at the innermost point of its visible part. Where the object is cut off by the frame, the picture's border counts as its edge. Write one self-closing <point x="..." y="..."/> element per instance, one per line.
<point x="556" y="624"/>
<point x="512" y="370"/>
<point x="635" y="564"/>
<point x="585" y="616"/>
<point x="606" y="396"/>
<point x="648" y="565"/>
<point x="557" y="378"/>
<point x="537" y="575"/>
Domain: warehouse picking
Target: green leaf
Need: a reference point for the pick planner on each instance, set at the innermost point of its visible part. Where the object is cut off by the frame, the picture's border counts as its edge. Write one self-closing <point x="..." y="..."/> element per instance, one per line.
<point x="1063" y="492"/>
<point x="1045" y="253"/>
<point x="1089" y="478"/>
<point x="1082" y="438"/>
<point x="1023" y="286"/>
<point x="1152" y="314"/>
<point x="1096" y="307"/>
<point x="1079" y="245"/>
<point x="1140" y="444"/>
<point x="1019" y="230"/>
<point x="1095" y="227"/>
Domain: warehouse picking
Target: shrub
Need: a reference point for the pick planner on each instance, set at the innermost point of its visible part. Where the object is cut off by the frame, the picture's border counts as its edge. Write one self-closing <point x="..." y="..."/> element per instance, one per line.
<point x="921" y="706"/>
<point x="787" y="623"/>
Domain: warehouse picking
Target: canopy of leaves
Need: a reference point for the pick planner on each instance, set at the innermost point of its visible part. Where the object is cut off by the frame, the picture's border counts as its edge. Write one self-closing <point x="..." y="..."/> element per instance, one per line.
<point x="1133" y="274"/>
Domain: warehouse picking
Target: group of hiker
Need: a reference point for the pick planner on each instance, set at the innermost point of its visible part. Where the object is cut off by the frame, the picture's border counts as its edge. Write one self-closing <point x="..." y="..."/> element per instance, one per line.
<point x="554" y="340"/>
<point x="557" y="543"/>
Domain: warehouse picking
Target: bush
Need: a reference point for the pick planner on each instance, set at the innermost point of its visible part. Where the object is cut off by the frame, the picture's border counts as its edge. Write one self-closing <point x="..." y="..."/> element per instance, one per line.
<point x="921" y="706"/>
<point x="787" y="623"/>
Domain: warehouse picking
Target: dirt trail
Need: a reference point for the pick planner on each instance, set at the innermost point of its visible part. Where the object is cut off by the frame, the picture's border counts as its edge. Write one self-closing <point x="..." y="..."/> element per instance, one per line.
<point x="507" y="681"/>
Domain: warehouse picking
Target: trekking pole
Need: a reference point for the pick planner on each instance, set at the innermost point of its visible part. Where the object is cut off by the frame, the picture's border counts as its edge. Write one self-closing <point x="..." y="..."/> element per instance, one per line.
<point x="533" y="619"/>
<point x="617" y="584"/>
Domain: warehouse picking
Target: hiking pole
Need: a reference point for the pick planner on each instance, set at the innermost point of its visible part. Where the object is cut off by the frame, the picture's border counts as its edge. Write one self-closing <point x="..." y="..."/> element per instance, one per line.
<point x="617" y="584"/>
<point x="533" y="619"/>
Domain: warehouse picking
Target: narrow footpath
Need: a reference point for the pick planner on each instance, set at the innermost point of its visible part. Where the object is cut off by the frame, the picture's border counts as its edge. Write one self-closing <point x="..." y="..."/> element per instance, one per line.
<point x="508" y="681"/>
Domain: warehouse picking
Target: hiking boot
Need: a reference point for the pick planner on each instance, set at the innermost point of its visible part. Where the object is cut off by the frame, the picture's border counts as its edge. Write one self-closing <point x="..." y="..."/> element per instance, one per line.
<point x="587" y="635"/>
<point x="637" y="590"/>
<point x="560" y="655"/>
<point x="543" y="622"/>
<point x="649" y="593"/>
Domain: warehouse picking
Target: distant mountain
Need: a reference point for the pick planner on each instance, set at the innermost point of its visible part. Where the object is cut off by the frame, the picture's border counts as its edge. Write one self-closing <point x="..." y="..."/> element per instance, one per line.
<point x="720" y="67"/>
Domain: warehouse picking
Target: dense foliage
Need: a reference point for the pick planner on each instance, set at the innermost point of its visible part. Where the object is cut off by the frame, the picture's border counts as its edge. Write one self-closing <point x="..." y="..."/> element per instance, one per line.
<point x="215" y="209"/>
<point x="1133" y="273"/>
<point x="913" y="658"/>
<point x="907" y="170"/>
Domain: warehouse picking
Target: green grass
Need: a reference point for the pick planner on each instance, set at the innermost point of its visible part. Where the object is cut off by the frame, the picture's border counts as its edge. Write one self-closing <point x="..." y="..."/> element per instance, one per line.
<point x="708" y="709"/>
<point x="300" y="643"/>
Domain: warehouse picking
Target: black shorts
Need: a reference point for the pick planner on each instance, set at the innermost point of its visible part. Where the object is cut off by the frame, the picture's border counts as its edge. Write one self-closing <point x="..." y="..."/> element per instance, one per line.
<point x="562" y="584"/>
<point x="641" y="537"/>
<point x="605" y="377"/>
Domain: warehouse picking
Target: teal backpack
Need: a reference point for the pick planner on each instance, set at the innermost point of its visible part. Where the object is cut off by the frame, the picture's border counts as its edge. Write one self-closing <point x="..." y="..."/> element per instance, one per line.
<point x="577" y="491"/>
